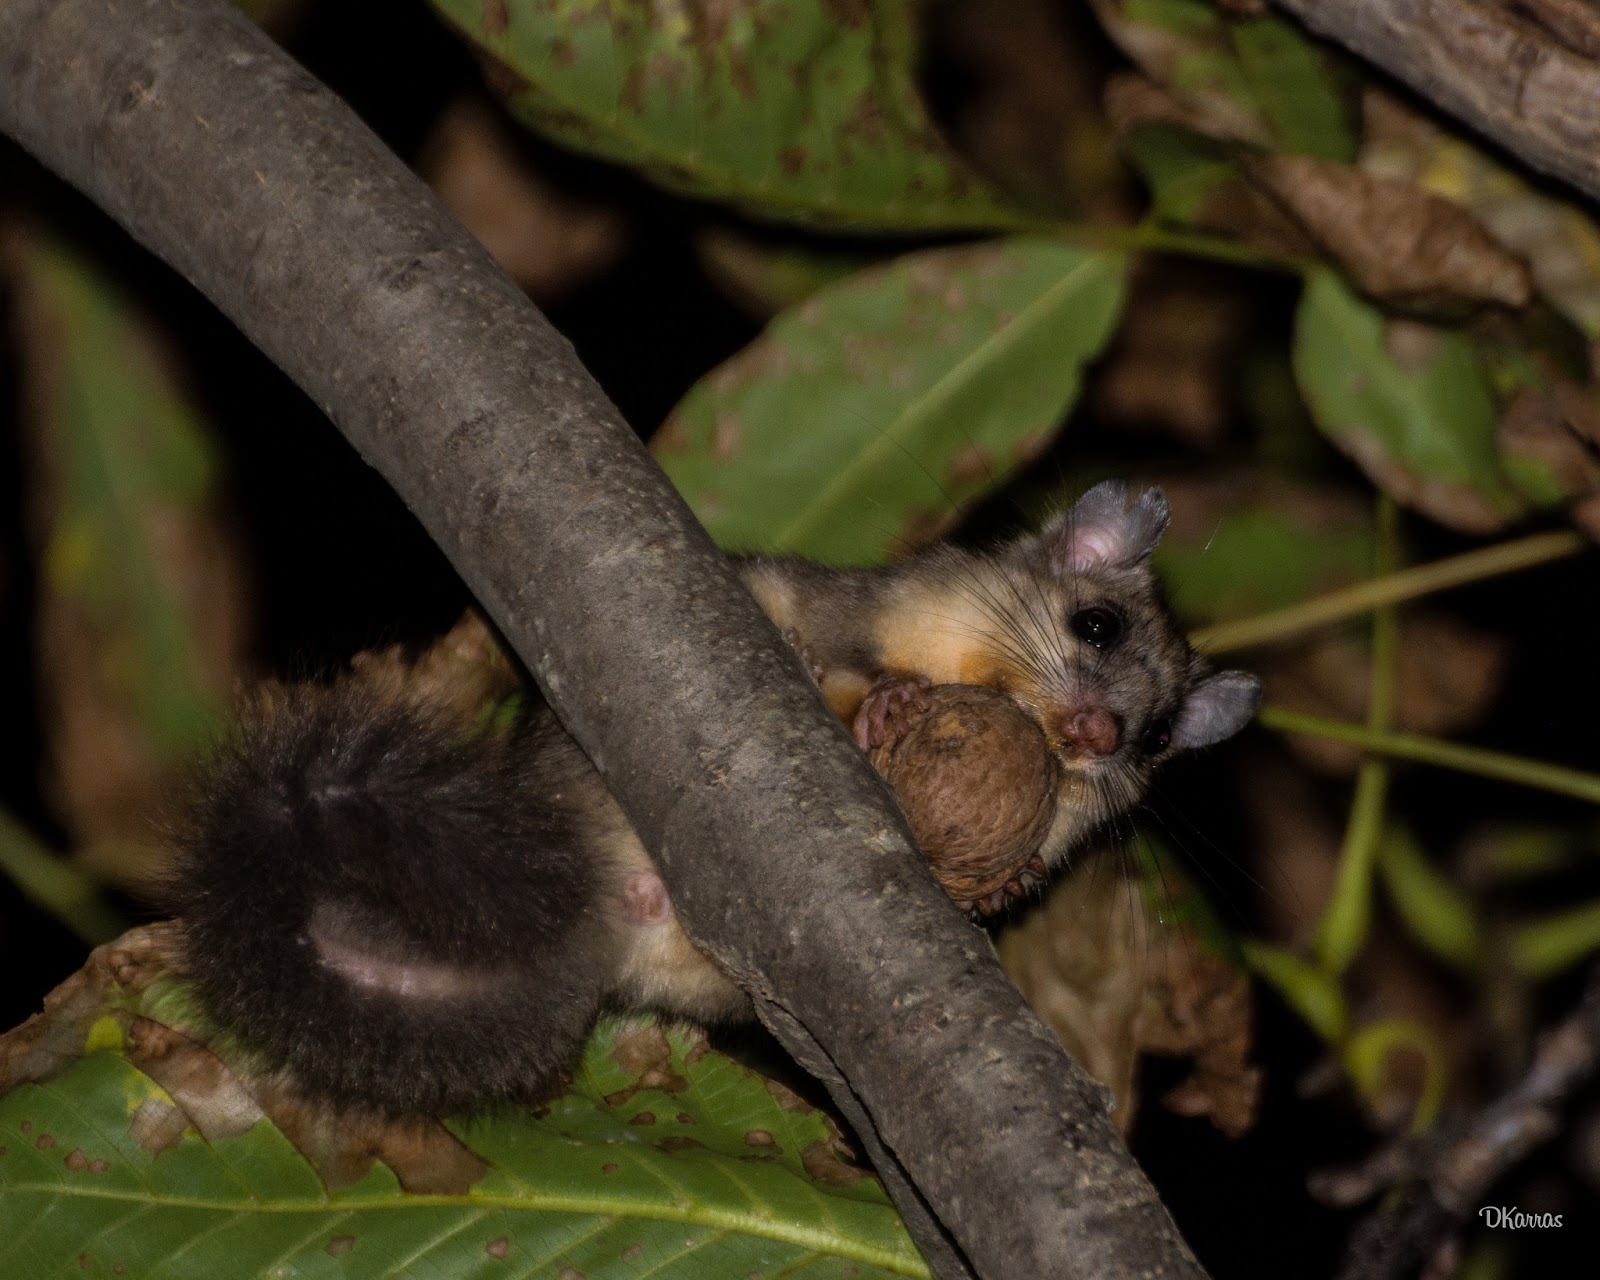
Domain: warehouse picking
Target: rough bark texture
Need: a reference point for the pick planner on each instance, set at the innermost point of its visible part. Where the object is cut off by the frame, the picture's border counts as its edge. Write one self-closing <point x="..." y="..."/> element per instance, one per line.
<point x="783" y="850"/>
<point x="1517" y="82"/>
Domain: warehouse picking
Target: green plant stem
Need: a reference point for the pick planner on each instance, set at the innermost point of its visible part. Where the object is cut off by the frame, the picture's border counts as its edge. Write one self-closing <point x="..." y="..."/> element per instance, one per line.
<point x="1392" y="588"/>
<point x="1342" y="932"/>
<point x="1447" y="755"/>
<point x="1367" y="1052"/>
<point x="56" y="886"/>
<point x="1157" y="237"/>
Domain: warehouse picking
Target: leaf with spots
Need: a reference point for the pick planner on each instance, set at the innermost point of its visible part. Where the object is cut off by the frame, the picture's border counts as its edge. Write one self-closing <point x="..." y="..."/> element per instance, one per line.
<point x="865" y="419"/>
<point x="1410" y="402"/>
<point x="805" y="111"/>
<point x="131" y="1146"/>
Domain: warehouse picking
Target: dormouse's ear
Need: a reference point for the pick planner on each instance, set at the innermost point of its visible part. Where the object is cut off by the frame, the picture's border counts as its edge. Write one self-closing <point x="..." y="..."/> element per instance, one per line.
<point x="1102" y="529"/>
<point x="1216" y="708"/>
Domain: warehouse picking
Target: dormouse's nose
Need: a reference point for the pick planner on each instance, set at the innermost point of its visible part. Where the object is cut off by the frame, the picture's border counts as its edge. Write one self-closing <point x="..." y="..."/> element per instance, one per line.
<point x="1093" y="732"/>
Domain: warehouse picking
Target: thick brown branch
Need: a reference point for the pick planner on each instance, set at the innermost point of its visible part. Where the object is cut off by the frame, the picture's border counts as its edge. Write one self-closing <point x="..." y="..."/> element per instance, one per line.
<point x="1514" y="80"/>
<point x="783" y="850"/>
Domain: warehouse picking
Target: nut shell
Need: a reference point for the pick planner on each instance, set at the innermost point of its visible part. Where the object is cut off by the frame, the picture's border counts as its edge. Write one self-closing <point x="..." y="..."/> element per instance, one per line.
<point x="978" y="783"/>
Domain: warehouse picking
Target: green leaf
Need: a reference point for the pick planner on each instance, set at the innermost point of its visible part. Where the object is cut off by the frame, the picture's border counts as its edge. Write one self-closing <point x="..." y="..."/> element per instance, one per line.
<point x="1310" y="992"/>
<point x="805" y="111"/>
<point x="1273" y="549"/>
<point x="1294" y="84"/>
<point x="1543" y="948"/>
<point x="148" y="1157"/>
<point x="1409" y="402"/>
<point x="1347" y="919"/>
<point x="1185" y="172"/>
<point x="124" y="475"/>
<point x="864" y="419"/>
<point x="1436" y="912"/>
<point x="1257" y="79"/>
<point x="1509" y="852"/>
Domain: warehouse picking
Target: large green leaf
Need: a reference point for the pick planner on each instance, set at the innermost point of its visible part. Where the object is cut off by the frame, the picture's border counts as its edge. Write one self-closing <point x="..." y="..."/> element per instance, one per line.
<point x="804" y="110"/>
<point x="1410" y="402"/>
<point x="863" y="419"/>
<point x="130" y="1150"/>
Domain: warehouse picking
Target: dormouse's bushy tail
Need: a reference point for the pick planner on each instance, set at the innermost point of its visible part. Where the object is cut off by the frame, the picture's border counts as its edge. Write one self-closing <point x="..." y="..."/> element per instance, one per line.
<point x="401" y="911"/>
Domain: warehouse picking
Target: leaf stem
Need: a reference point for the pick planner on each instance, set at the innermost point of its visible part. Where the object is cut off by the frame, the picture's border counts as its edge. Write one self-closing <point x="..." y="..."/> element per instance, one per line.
<point x="1447" y="755"/>
<point x="1342" y="931"/>
<point x="1156" y="237"/>
<point x="1392" y="588"/>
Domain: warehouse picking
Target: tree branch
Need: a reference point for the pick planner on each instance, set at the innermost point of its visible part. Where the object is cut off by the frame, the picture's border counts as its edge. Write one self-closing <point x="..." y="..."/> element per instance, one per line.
<point x="1451" y="1174"/>
<point x="1526" y="86"/>
<point x="784" y="852"/>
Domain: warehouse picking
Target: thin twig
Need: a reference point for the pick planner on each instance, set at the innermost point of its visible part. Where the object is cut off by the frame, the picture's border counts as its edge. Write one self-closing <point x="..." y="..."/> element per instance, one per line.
<point x="1408" y="584"/>
<point x="1447" y="755"/>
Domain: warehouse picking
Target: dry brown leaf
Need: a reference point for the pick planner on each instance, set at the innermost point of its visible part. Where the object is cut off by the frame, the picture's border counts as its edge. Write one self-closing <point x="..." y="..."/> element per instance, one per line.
<point x="1199" y="1006"/>
<point x="53" y="1039"/>
<point x="214" y="1098"/>
<point x="1113" y="984"/>
<point x="1399" y="243"/>
<point x="549" y="241"/>
<point x="1555" y="435"/>
<point x="1166" y="55"/>
<point x="1080" y="961"/>
<point x="1558" y="238"/>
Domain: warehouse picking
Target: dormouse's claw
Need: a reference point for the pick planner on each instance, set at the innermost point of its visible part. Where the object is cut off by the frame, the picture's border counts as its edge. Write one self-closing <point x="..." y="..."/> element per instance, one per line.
<point x="1035" y="864"/>
<point x="860" y="732"/>
<point x="993" y="904"/>
<point x="890" y="701"/>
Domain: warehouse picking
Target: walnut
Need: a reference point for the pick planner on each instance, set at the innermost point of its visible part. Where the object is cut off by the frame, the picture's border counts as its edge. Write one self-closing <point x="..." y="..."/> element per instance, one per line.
<point x="978" y="784"/>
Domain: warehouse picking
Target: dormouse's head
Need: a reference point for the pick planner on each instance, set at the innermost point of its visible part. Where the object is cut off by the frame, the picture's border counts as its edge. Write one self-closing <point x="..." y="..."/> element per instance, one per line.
<point x="1094" y="653"/>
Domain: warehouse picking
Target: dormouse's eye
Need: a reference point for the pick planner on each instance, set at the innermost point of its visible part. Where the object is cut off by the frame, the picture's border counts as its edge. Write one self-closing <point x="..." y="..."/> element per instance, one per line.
<point x="1156" y="738"/>
<point x="1098" y="627"/>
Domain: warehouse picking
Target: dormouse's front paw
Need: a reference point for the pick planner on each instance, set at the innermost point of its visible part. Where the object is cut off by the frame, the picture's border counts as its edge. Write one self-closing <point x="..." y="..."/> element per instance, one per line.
<point x="892" y="703"/>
